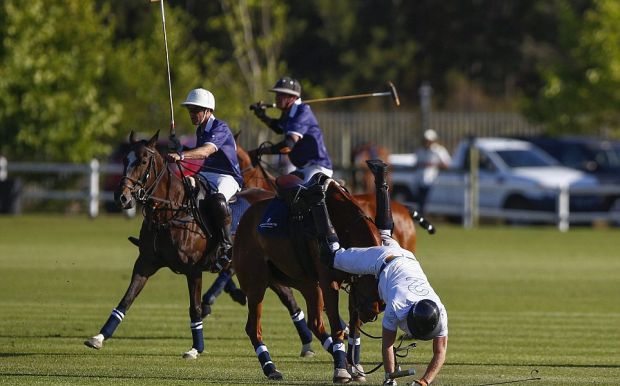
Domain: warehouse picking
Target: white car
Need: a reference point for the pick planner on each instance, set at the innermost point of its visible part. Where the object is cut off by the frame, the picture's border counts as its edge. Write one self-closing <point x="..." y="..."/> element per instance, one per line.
<point x="513" y="174"/>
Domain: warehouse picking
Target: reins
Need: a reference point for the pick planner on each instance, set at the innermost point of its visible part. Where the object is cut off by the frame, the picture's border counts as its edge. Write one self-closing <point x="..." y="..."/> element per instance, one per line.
<point x="396" y="349"/>
<point x="144" y="193"/>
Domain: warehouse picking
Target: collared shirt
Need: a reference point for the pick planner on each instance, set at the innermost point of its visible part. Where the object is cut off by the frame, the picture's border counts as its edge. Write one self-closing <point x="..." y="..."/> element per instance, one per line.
<point x="224" y="160"/>
<point x="401" y="281"/>
<point x="310" y="149"/>
<point x="432" y="157"/>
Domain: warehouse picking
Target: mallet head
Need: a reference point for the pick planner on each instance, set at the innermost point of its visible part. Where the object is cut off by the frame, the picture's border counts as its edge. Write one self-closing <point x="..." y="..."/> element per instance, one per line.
<point x="394" y="93"/>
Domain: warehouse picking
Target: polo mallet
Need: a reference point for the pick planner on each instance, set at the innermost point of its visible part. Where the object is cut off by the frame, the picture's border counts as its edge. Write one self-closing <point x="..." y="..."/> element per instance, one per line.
<point x="173" y="133"/>
<point x="391" y="93"/>
<point x="402" y="373"/>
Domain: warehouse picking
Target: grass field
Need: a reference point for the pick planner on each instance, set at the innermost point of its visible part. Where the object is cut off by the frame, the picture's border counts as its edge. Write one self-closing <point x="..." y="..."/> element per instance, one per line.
<point x="518" y="299"/>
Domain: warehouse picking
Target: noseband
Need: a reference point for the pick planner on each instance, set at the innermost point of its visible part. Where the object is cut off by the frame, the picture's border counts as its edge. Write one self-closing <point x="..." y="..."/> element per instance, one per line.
<point x="362" y="302"/>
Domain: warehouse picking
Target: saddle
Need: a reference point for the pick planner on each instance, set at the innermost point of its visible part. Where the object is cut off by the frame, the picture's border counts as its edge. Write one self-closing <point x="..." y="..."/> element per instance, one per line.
<point x="198" y="189"/>
<point x="288" y="215"/>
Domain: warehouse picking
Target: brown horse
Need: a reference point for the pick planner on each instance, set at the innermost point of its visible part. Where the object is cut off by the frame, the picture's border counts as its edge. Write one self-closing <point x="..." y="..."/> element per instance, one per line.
<point x="404" y="233"/>
<point x="170" y="235"/>
<point x="362" y="179"/>
<point x="260" y="261"/>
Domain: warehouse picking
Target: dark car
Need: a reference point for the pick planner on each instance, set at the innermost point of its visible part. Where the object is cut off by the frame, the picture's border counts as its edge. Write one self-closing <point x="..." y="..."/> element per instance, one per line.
<point x="597" y="156"/>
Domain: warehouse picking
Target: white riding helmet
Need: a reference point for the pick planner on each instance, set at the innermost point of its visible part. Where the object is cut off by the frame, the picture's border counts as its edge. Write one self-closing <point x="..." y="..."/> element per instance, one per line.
<point x="200" y="97"/>
<point x="430" y="135"/>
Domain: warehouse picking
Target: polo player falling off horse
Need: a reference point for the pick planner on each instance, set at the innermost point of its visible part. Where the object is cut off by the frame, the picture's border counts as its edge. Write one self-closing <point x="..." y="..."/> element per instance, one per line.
<point x="411" y="303"/>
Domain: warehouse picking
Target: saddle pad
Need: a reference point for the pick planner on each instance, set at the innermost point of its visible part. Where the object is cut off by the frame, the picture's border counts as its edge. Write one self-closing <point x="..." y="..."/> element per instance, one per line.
<point x="275" y="219"/>
<point x="237" y="208"/>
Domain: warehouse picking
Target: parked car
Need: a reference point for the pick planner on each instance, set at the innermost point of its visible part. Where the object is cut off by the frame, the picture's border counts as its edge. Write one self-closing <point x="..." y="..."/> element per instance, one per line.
<point x="593" y="155"/>
<point x="513" y="174"/>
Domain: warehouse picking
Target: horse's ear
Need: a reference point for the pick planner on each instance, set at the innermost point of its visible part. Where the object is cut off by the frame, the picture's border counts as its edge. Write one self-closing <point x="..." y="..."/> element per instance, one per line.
<point x="132" y="137"/>
<point x="153" y="140"/>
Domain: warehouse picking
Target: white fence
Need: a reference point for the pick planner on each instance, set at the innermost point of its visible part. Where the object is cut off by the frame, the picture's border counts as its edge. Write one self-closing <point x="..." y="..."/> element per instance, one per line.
<point x="93" y="170"/>
<point x="470" y="209"/>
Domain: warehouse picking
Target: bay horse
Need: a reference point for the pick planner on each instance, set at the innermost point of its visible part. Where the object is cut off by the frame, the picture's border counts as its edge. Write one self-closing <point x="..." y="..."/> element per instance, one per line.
<point x="260" y="261"/>
<point x="362" y="179"/>
<point x="404" y="233"/>
<point x="170" y="235"/>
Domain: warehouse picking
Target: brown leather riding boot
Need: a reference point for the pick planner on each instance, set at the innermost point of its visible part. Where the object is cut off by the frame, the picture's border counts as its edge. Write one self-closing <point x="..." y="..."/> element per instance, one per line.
<point x="219" y="214"/>
<point x="327" y="237"/>
<point x="383" y="218"/>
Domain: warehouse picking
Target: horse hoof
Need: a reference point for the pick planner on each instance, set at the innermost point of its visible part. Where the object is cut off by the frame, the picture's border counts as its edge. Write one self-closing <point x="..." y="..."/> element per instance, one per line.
<point x="191" y="354"/>
<point x="275" y="376"/>
<point x="357" y="373"/>
<point x="95" y="342"/>
<point x="206" y="310"/>
<point x="341" y="376"/>
<point x="307" y="351"/>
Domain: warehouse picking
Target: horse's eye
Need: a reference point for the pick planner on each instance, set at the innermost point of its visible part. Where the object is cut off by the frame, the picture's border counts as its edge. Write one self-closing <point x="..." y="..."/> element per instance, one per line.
<point x="143" y="162"/>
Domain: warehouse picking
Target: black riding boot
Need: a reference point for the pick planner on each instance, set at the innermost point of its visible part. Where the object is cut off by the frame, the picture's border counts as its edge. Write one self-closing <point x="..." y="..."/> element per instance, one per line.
<point x="327" y="237"/>
<point x="383" y="218"/>
<point x="219" y="214"/>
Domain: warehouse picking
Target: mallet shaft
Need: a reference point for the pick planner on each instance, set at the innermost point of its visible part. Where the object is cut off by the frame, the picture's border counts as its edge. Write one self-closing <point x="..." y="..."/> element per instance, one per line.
<point x="402" y="373"/>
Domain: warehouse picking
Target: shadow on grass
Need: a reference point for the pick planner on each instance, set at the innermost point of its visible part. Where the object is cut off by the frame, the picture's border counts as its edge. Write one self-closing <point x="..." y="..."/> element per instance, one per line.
<point x="202" y="380"/>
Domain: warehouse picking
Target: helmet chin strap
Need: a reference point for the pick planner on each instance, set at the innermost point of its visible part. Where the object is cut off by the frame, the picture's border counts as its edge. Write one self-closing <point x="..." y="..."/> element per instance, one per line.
<point x="204" y="116"/>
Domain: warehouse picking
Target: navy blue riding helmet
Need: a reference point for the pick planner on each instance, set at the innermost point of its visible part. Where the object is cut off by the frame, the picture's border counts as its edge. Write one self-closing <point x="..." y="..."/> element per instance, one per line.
<point x="423" y="320"/>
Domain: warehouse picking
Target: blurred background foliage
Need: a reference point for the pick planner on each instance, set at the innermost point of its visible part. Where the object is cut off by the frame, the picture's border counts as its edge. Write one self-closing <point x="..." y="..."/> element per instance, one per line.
<point x="77" y="75"/>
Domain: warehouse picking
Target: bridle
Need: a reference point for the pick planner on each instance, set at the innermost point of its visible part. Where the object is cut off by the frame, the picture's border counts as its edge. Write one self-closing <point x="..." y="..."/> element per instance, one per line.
<point x="139" y="189"/>
<point x="361" y="302"/>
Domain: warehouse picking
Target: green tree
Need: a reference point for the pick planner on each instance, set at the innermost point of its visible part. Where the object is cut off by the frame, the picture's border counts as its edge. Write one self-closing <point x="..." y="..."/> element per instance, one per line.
<point x="241" y="67"/>
<point x="581" y="90"/>
<point x="52" y="72"/>
<point x="137" y="74"/>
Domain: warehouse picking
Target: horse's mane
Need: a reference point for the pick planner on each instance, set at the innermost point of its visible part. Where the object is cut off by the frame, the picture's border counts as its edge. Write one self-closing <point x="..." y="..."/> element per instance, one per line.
<point x="345" y="200"/>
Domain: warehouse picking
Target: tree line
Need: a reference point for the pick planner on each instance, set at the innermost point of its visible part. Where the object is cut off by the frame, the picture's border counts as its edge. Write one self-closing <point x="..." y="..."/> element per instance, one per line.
<point x="76" y="76"/>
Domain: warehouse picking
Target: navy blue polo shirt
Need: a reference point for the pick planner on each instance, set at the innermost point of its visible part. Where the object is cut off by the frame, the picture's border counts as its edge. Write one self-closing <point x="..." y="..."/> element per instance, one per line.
<point x="310" y="149"/>
<point x="224" y="160"/>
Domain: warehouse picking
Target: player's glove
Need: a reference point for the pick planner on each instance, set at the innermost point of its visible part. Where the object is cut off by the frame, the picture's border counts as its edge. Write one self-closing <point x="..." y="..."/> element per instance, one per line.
<point x="259" y="110"/>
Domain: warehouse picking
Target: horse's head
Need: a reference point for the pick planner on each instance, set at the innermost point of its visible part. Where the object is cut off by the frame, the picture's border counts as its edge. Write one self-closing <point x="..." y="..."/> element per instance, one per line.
<point x="140" y="171"/>
<point x="364" y="298"/>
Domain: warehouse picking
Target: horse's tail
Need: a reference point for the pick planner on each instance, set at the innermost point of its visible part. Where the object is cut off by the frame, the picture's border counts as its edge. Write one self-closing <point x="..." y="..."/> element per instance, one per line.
<point x="424" y="223"/>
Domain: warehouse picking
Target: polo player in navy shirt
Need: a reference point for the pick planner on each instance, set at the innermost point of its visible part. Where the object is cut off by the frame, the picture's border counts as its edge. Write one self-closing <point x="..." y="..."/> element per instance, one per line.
<point x="303" y="139"/>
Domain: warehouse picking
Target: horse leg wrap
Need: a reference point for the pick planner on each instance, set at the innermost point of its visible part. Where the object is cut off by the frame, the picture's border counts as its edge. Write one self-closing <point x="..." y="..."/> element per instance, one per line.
<point x="116" y="317"/>
<point x="265" y="359"/>
<point x="340" y="356"/>
<point x="353" y="350"/>
<point x="197" y="337"/>
<point x="302" y="327"/>
<point x="217" y="287"/>
<point x="327" y="342"/>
